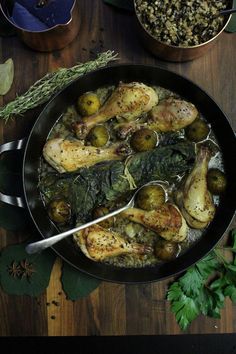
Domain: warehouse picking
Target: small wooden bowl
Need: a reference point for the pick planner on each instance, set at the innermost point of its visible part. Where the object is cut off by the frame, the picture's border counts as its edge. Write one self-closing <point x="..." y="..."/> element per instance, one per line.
<point x="54" y="38"/>
<point x="176" y="53"/>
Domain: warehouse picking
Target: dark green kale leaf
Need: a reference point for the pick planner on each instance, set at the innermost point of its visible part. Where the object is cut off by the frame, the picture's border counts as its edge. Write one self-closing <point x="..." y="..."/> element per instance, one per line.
<point x="107" y="182"/>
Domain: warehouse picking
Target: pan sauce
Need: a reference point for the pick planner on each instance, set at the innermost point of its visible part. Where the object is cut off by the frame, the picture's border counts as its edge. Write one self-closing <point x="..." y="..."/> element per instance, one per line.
<point x="129" y="230"/>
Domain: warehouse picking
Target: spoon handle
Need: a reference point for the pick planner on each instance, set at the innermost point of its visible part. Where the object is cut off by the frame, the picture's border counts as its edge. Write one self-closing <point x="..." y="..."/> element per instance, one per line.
<point x="228" y="11"/>
<point x="48" y="242"/>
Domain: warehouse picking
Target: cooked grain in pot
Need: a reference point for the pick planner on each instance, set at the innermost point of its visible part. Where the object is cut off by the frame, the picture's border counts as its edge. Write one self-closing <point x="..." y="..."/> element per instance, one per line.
<point x="181" y="22"/>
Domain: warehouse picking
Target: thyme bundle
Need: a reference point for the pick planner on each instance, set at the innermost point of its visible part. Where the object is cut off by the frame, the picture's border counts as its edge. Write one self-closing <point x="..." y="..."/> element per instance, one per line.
<point x="42" y="90"/>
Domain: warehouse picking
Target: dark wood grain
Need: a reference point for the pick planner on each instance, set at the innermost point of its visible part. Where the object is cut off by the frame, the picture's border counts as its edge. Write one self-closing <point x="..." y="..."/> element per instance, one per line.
<point x="112" y="309"/>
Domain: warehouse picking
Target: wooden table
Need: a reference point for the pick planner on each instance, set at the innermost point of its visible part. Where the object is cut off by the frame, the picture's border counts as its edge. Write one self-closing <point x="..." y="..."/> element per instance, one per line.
<point x="112" y="309"/>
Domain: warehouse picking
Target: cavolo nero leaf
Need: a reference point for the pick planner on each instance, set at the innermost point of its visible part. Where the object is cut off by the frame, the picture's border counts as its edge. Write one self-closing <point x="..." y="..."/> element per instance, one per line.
<point x="76" y="284"/>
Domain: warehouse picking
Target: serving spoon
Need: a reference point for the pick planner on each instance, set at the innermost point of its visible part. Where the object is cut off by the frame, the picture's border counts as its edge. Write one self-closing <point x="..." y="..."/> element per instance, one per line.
<point x="227" y="12"/>
<point x="39" y="246"/>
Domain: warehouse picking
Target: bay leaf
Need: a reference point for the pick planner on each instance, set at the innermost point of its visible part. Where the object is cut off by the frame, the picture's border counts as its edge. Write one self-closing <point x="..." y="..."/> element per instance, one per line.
<point x="6" y="76"/>
<point x="33" y="285"/>
<point x="76" y="284"/>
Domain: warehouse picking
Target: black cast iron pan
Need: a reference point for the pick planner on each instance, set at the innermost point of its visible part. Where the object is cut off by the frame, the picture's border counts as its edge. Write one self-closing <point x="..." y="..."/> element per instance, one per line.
<point x="111" y="76"/>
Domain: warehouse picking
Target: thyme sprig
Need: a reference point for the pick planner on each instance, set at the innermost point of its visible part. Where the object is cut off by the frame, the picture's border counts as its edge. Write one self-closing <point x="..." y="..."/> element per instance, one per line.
<point x="42" y="90"/>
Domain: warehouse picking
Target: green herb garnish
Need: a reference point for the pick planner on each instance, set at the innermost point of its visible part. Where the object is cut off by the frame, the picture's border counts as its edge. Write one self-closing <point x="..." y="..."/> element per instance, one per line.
<point x="203" y="288"/>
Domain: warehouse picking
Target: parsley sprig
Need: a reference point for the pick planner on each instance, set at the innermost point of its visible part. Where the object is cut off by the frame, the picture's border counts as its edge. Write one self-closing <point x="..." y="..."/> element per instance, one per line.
<point x="204" y="287"/>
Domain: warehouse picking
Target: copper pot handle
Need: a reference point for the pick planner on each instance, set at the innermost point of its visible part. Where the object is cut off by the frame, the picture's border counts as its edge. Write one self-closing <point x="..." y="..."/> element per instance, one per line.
<point x="10" y="199"/>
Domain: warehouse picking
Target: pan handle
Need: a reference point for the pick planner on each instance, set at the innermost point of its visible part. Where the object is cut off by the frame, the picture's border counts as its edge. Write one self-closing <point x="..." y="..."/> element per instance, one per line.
<point x="10" y="199"/>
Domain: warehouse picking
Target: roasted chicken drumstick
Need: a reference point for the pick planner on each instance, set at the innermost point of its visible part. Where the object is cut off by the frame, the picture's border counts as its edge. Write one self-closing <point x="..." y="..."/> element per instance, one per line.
<point x="166" y="221"/>
<point x="128" y="101"/>
<point x="70" y="155"/>
<point x="98" y="243"/>
<point x="194" y="199"/>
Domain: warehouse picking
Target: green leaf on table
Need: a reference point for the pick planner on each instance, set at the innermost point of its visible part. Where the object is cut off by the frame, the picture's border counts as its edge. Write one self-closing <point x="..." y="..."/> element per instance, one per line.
<point x="216" y="301"/>
<point x="121" y="4"/>
<point x="76" y="284"/>
<point x="6" y="76"/>
<point x="230" y="291"/>
<point x="194" y="278"/>
<point x="184" y="307"/>
<point x="191" y="282"/>
<point x="233" y="237"/>
<point x="207" y="265"/>
<point x="23" y="274"/>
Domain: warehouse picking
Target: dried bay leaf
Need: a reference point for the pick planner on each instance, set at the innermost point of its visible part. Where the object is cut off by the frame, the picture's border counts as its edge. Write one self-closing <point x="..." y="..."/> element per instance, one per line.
<point x="6" y="76"/>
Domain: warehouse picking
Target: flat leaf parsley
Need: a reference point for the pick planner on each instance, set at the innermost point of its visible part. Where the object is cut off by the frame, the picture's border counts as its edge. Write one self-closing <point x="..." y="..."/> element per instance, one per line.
<point x="203" y="287"/>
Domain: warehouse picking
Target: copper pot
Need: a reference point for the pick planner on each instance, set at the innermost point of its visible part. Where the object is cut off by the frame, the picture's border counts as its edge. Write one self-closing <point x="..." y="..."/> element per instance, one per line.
<point x="54" y="38"/>
<point x="176" y="53"/>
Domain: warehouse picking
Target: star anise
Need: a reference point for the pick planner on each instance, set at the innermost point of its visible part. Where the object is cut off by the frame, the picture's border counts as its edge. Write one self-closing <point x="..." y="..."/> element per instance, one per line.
<point x="27" y="269"/>
<point x="15" y="270"/>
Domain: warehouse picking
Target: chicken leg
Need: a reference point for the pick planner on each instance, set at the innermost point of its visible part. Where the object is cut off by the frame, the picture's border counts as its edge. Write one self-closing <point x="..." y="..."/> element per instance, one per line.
<point x="98" y="243"/>
<point x="166" y="221"/>
<point x="194" y="199"/>
<point x="169" y="115"/>
<point x="128" y="101"/>
<point x="68" y="156"/>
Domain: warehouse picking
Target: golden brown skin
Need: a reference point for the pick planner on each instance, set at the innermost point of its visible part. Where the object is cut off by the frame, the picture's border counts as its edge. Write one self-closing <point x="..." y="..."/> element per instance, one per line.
<point x="128" y="101"/>
<point x="98" y="243"/>
<point x="166" y="221"/>
<point x="194" y="199"/>
<point x="68" y="156"/>
<point x="171" y="114"/>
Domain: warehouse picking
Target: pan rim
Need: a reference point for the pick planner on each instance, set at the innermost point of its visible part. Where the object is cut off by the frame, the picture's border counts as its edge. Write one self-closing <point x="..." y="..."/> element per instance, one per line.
<point x="113" y="67"/>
